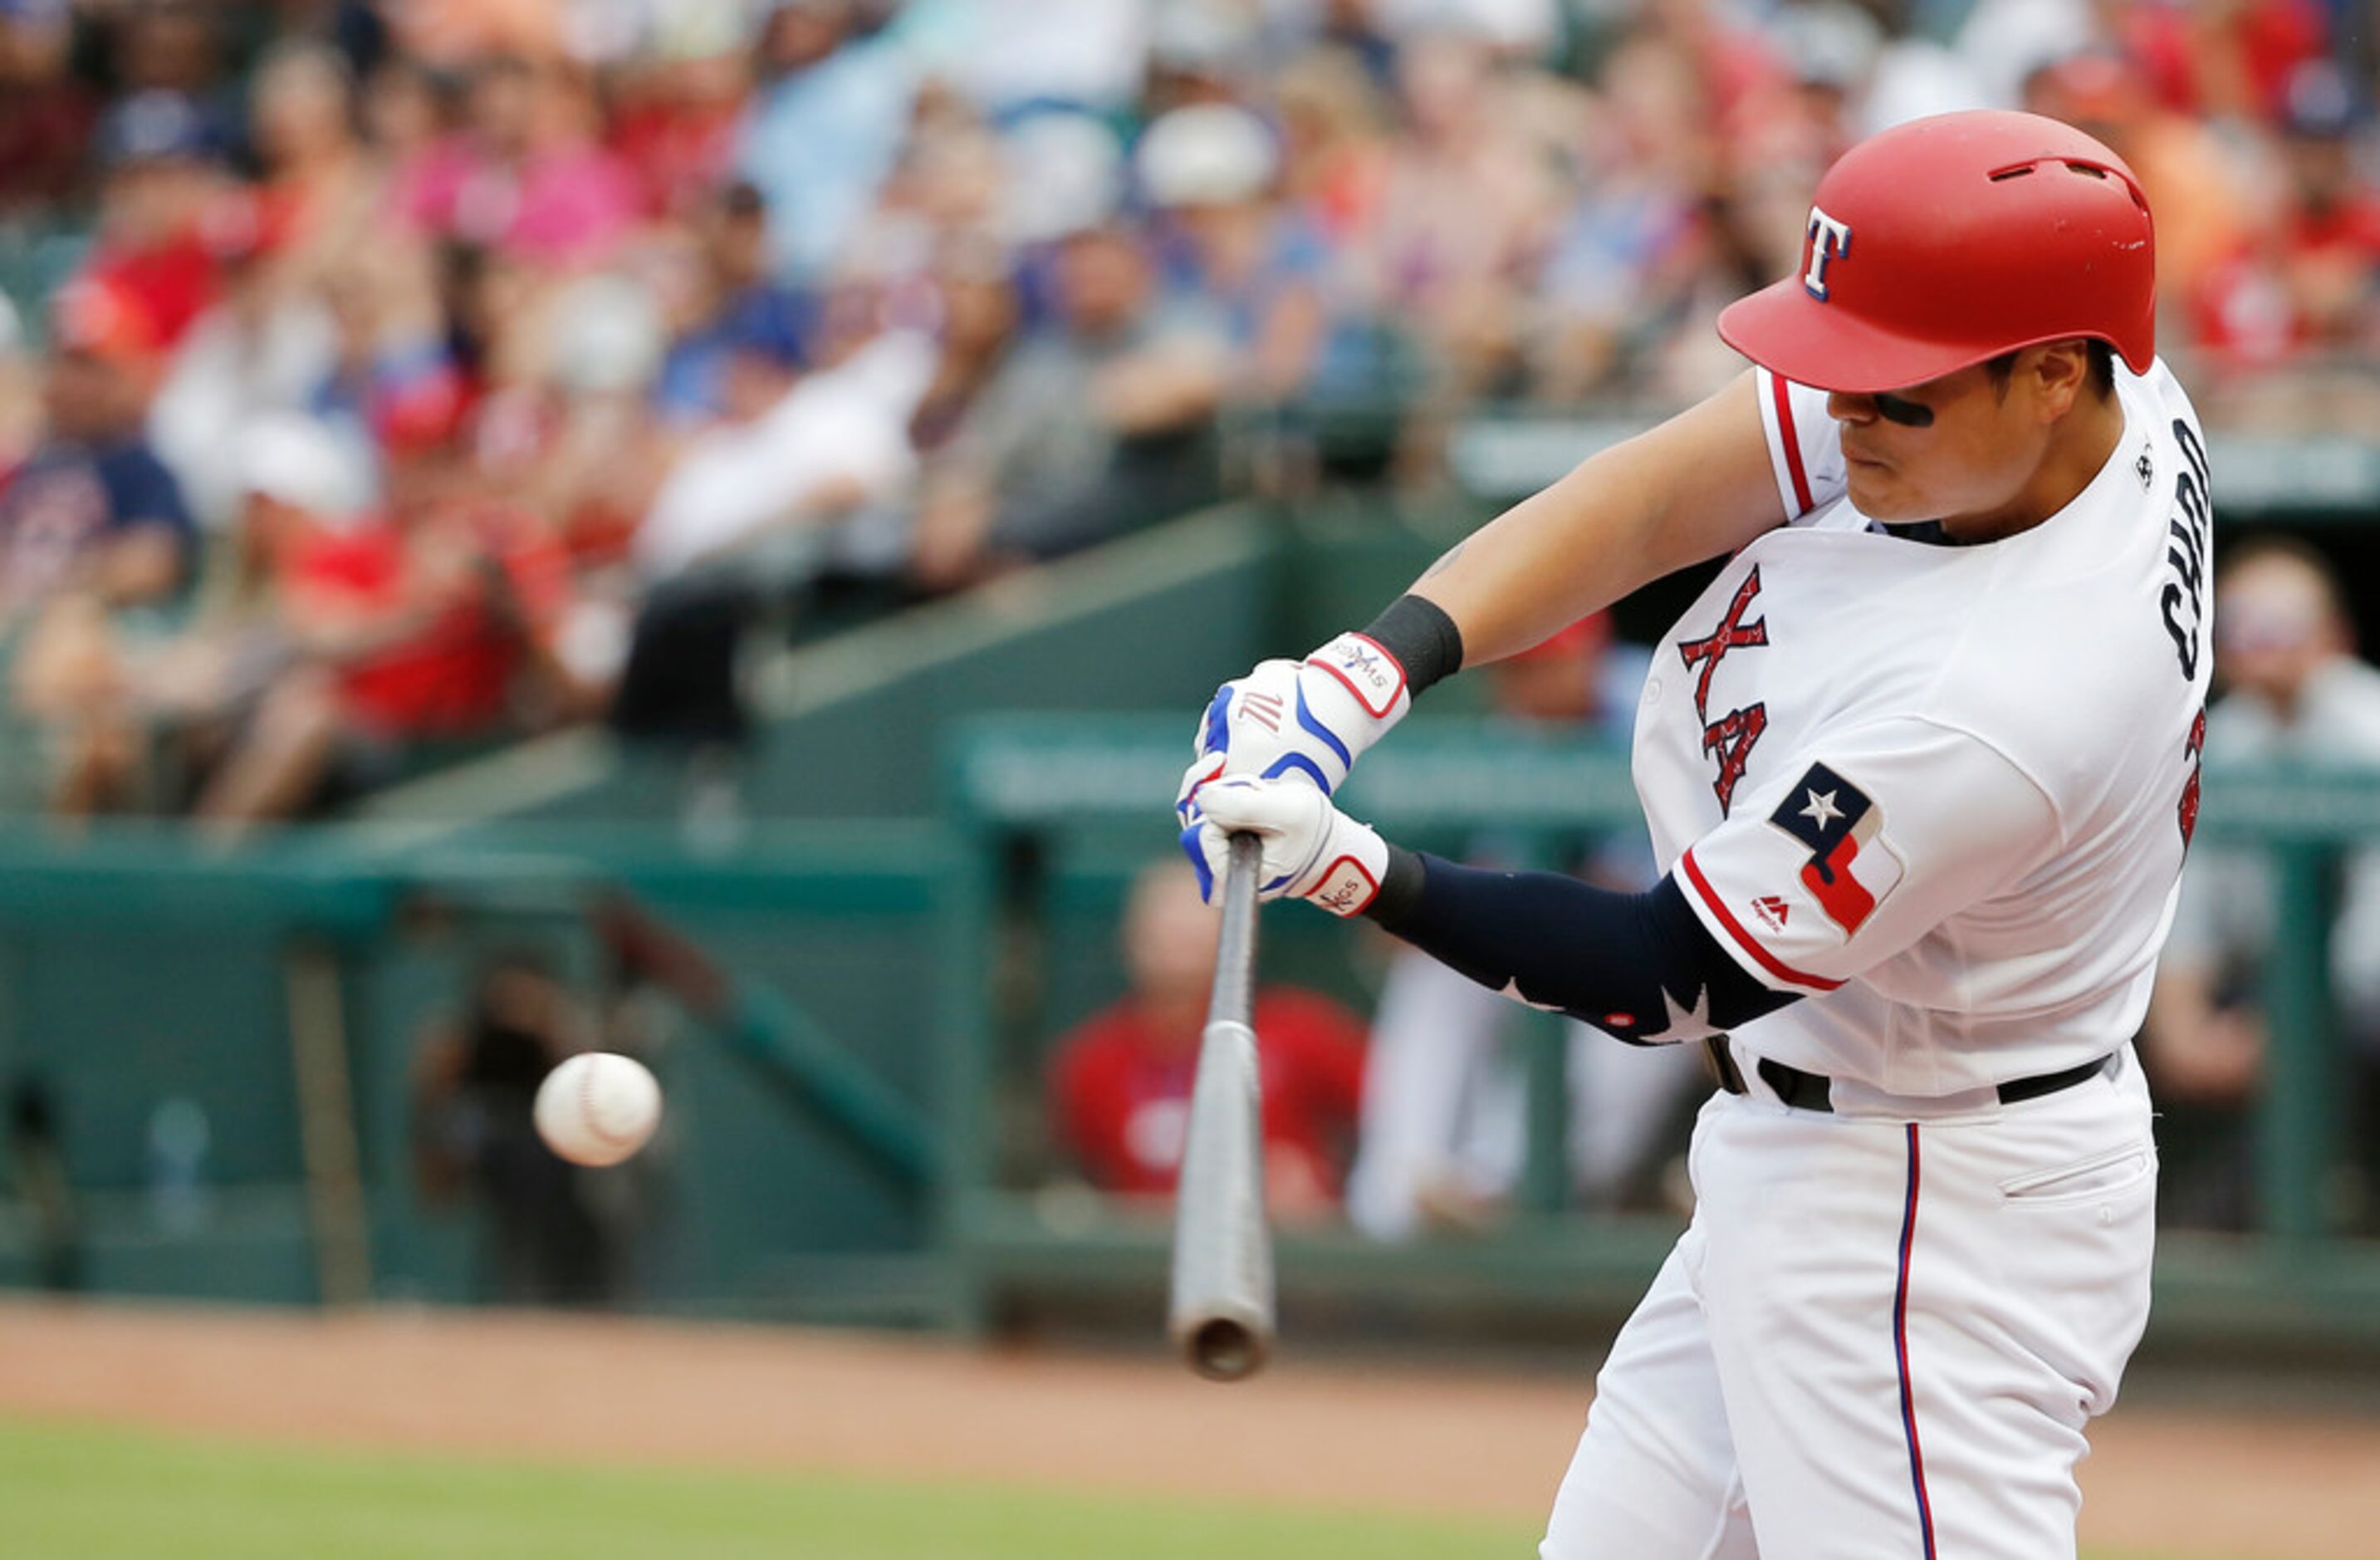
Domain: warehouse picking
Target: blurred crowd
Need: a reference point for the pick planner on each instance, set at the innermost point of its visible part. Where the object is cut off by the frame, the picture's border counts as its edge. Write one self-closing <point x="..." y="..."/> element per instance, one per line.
<point x="386" y="379"/>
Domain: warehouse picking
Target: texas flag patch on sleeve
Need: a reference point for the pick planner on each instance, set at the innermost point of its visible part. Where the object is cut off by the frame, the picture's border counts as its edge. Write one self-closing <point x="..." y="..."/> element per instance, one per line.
<point x="1849" y="869"/>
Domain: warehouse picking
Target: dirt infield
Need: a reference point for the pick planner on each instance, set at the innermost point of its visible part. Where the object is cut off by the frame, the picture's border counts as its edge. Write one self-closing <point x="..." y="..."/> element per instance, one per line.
<point x="2182" y="1482"/>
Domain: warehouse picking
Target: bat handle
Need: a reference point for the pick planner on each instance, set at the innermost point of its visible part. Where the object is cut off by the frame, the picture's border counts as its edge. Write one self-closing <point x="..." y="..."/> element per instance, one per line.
<point x="1233" y="997"/>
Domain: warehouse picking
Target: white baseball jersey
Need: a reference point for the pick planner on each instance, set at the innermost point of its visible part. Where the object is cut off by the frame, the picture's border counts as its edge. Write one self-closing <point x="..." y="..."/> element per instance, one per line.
<point x="1943" y="791"/>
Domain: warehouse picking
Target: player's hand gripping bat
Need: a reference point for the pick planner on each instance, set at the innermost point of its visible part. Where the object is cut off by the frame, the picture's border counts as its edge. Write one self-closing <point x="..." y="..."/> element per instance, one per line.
<point x="1222" y="1304"/>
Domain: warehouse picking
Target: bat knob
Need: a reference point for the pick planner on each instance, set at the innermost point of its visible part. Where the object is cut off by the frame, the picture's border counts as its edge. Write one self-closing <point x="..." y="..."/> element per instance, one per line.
<point x="1226" y="1349"/>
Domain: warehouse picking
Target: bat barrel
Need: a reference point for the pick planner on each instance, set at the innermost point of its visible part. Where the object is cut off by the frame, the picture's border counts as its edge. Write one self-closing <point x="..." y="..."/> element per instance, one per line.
<point x="1222" y="1312"/>
<point x="1222" y="1301"/>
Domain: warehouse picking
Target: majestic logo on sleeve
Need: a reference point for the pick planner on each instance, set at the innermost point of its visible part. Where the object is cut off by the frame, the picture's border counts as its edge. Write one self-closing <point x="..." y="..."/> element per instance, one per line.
<point x="1730" y="739"/>
<point x="1831" y="239"/>
<point x="1850" y="868"/>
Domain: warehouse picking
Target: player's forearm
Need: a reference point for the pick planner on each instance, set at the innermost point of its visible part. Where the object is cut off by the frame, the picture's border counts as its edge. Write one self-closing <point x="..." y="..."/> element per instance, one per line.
<point x="1697" y="487"/>
<point x="1639" y="967"/>
<point x="1541" y="566"/>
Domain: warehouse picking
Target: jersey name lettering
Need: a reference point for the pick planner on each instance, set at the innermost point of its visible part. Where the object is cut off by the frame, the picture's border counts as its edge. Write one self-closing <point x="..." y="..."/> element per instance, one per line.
<point x="2188" y="554"/>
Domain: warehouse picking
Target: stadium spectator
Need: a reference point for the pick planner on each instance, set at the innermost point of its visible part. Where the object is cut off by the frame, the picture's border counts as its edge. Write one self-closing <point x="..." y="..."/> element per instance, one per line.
<point x="571" y="435"/>
<point x="2331" y="236"/>
<point x="2302" y="286"/>
<point x="138" y="717"/>
<point x="796" y="452"/>
<point x="321" y="190"/>
<point x="96" y="548"/>
<point x="1086" y="55"/>
<point x="976" y="296"/>
<point x="1467" y="205"/>
<point x="2298" y="698"/>
<point x="401" y="112"/>
<point x="92" y="509"/>
<point x="451" y="37"/>
<point x="526" y="176"/>
<point x="163" y="183"/>
<point x="1210" y="169"/>
<point x="732" y="305"/>
<point x="1119" y="1082"/>
<point x="674" y="117"/>
<point x="1624" y="269"/>
<point x="803" y="476"/>
<point x="268" y="346"/>
<point x="198" y="695"/>
<point x="435" y="621"/>
<point x="176" y="47"/>
<point x="46" y="114"/>
<point x="1094" y="425"/>
<point x="824" y="130"/>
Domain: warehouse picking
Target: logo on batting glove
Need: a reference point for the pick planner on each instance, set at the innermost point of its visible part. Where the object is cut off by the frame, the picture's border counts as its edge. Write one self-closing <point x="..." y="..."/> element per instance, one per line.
<point x="1370" y="673"/>
<point x="1346" y="887"/>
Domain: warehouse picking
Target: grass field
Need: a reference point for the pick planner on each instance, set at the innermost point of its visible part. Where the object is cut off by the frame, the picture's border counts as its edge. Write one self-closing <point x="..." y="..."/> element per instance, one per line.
<point x="76" y="1492"/>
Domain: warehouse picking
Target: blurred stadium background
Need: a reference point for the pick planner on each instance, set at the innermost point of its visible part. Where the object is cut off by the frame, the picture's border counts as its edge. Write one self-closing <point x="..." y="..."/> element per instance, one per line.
<point x="698" y="526"/>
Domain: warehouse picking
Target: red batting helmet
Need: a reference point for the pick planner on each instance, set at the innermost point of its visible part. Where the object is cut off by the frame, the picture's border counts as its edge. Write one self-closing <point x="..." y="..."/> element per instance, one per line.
<point x="1949" y="241"/>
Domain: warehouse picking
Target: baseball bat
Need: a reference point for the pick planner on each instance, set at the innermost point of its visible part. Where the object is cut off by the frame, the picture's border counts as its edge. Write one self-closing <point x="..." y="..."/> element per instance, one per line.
<point x="1222" y="1304"/>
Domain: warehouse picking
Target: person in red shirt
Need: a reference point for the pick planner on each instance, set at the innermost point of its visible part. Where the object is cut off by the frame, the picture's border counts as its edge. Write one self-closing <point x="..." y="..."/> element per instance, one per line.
<point x="436" y="620"/>
<point x="432" y="614"/>
<point x="164" y="187"/>
<point x="2300" y="281"/>
<point x="674" y="122"/>
<point x="1120" y="1081"/>
<point x="2330" y="241"/>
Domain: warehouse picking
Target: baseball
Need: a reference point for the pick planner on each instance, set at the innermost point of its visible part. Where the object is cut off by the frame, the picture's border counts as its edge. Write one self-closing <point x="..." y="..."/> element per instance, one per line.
<point x="598" y="1108"/>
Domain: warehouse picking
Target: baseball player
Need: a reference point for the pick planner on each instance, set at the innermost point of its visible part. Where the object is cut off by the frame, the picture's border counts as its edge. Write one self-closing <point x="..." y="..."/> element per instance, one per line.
<point x="1920" y="767"/>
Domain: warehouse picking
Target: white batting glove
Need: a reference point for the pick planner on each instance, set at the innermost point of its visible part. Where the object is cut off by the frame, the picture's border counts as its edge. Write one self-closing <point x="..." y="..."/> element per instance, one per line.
<point x="1310" y="719"/>
<point x="1311" y="849"/>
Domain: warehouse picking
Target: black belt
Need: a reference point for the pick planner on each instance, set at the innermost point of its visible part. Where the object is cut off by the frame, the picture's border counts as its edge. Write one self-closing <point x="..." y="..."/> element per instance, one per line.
<point x="1809" y="1092"/>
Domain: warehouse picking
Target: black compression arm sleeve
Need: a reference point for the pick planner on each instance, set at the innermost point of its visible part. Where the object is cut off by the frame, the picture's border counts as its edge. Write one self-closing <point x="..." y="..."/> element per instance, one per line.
<point x="1637" y="966"/>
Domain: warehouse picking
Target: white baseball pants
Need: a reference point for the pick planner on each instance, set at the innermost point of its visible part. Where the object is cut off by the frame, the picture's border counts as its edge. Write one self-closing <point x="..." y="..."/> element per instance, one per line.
<point x="1881" y="1336"/>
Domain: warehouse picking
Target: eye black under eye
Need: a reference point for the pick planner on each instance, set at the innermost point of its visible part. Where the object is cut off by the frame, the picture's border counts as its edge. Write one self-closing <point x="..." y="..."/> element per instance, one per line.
<point x="1908" y="414"/>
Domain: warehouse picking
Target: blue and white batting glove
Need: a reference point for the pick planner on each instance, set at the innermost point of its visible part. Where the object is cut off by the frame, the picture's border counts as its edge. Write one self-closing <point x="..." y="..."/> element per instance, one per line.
<point x="1307" y="719"/>
<point x="1311" y="849"/>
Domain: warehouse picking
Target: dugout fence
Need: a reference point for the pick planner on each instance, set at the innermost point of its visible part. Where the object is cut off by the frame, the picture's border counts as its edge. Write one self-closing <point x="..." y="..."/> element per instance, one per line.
<point x="854" y="1084"/>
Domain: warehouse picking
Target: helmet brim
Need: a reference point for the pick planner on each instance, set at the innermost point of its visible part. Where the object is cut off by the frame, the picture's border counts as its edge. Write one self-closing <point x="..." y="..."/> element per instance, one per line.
<point x="1797" y="337"/>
